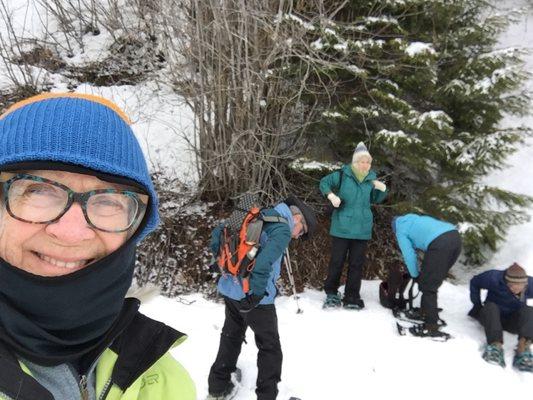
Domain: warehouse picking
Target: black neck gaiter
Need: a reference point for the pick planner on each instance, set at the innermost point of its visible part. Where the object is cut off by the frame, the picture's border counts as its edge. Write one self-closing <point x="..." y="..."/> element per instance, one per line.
<point x="53" y="320"/>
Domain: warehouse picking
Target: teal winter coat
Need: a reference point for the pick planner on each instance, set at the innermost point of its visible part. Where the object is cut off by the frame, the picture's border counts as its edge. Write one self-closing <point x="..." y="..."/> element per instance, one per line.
<point x="353" y="219"/>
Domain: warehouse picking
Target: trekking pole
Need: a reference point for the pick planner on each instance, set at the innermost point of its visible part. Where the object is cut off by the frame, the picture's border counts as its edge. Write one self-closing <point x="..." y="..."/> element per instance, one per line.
<point x="291" y="280"/>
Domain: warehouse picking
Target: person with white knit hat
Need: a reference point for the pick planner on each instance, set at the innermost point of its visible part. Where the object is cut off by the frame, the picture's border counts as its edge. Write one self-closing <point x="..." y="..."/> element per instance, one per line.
<point x="351" y="190"/>
<point x="76" y="199"/>
<point x="505" y="308"/>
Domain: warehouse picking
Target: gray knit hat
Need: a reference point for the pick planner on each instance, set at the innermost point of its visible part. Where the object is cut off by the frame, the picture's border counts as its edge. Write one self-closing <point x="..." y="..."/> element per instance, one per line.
<point x="360" y="151"/>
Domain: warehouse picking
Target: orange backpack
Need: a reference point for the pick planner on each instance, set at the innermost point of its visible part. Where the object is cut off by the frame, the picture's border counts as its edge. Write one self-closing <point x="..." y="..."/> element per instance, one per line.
<point x="240" y="238"/>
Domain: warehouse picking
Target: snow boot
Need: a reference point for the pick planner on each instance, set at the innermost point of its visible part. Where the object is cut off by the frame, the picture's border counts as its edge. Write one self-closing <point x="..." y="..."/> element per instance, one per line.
<point x="332" y="301"/>
<point x="523" y="358"/>
<point x="429" y="330"/>
<point x="231" y="390"/>
<point x="353" y="304"/>
<point x="493" y="354"/>
<point x="226" y="394"/>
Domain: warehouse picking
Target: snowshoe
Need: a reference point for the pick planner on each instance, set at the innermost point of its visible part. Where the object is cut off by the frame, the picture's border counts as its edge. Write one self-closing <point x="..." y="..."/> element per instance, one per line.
<point x="413" y="315"/>
<point x="353" y="304"/>
<point x="231" y="390"/>
<point x="229" y="393"/>
<point x="493" y="354"/>
<point x="523" y="361"/>
<point x="421" y="330"/>
<point x="332" y="301"/>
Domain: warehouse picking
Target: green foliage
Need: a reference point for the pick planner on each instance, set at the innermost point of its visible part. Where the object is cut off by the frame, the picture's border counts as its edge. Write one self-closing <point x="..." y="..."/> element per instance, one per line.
<point x="420" y="82"/>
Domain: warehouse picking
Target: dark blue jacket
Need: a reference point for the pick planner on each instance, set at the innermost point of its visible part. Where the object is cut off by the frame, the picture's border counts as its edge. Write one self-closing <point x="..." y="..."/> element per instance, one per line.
<point x="275" y="238"/>
<point x="498" y="292"/>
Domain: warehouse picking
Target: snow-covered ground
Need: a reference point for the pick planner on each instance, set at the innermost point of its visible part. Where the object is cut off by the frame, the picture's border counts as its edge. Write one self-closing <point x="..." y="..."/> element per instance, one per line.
<point x="335" y="354"/>
<point x="341" y="354"/>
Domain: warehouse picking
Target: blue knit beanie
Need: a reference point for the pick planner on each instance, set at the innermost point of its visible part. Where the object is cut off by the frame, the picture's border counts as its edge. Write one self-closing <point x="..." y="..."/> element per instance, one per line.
<point x="83" y="130"/>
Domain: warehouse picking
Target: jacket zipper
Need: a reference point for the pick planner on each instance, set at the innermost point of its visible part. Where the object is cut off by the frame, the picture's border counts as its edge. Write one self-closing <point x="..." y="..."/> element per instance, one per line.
<point x="83" y="388"/>
<point x="105" y="390"/>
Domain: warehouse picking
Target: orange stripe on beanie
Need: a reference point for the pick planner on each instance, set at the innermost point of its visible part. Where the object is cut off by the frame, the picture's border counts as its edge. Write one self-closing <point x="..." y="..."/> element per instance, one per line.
<point x="90" y="97"/>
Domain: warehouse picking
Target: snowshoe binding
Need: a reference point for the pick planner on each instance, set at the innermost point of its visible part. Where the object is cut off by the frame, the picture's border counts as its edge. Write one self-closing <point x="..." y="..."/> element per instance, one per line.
<point x="231" y="390"/>
<point x="413" y="315"/>
<point x="332" y="301"/>
<point x="228" y="393"/>
<point x="422" y="330"/>
<point x="353" y="304"/>
<point x="523" y="361"/>
<point x="493" y="354"/>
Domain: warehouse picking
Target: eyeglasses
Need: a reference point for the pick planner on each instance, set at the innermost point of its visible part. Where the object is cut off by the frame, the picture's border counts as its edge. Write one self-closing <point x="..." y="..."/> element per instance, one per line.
<point x="39" y="200"/>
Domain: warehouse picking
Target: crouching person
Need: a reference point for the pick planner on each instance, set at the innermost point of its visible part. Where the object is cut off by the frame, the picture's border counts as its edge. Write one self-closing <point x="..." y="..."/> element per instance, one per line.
<point x="441" y="243"/>
<point x="76" y="199"/>
<point x="255" y="307"/>
<point x="505" y="308"/>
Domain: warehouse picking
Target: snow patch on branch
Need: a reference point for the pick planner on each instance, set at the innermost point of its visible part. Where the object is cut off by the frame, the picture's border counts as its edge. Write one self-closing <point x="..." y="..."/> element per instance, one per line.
<point x="298" y="20"/>
<point x="333" y="114"/>
<point x="304" y="164"/>
<point x="439" y="118"/>
<point x="395" y="137"/>
<point x="384" y="19"/>
<point x="464" y="227"/>
<point x="356" y="70"/>
<point x="417" y="48"/>
<point x="486" y="84"/>
<point x="317" y="44"/>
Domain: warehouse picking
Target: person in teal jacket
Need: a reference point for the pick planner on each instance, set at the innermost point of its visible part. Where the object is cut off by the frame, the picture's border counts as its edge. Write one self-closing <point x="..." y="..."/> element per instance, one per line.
<point x="351" y="190"/>
<point x="76" y="199"/>
<point x="256" y="308"/>
<point x="441" y="243"/>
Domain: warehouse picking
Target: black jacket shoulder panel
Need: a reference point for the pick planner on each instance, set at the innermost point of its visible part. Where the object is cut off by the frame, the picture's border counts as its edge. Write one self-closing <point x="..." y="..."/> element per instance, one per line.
<point x="138" y="347"/>
<point x="15" y="383"/>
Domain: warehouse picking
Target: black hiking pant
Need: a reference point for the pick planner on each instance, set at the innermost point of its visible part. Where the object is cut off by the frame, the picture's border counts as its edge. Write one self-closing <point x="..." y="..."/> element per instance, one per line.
<point x="439" y="257"/>
<point x="264" y="323"/>
<point x="519" y="322"/>
<point x="355" y="249"/>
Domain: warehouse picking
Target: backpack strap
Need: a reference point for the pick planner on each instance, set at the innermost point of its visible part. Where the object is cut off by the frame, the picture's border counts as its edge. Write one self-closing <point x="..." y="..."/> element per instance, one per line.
<point x="272" y="218"/>
<point x="340" y="180"/>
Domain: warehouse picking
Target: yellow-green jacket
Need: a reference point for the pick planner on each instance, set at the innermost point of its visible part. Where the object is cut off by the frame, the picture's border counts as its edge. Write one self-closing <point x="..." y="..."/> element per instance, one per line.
<point x="136" y="366"/>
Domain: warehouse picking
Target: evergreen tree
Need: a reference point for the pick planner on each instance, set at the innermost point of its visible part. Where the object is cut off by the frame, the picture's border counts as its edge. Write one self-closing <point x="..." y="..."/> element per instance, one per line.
<point x="420" y="82"/>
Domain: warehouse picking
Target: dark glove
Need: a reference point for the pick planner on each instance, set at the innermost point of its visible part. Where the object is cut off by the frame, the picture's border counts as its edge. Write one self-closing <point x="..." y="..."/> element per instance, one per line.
<point x="474" y="312"/>
<point x="214" y="268"/>
<point x="249" y="303"/>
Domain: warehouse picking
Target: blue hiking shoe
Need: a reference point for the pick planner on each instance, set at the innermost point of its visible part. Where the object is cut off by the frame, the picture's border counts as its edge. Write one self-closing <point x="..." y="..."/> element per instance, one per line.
<point x="493" y="354"/>
<point x="523" y="361"/>
<point x="332" y="301"/>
